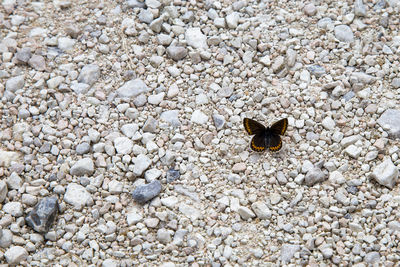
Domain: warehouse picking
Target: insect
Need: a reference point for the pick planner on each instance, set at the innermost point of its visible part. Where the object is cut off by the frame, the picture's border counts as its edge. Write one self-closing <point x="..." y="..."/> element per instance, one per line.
<point x="265" y="136"/>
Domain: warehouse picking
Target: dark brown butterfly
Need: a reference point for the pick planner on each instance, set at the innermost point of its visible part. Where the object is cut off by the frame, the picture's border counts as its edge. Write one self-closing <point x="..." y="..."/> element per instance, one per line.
<point x="265" y="136"/>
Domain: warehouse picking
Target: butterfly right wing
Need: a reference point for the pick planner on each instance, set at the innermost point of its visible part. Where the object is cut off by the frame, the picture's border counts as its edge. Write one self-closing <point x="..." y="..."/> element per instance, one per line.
<point x="253" y="127"/>
<point x="280" y="126"/>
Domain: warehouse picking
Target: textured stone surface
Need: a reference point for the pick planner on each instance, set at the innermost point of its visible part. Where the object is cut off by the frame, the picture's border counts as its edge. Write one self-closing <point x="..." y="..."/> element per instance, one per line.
<point x="43" y="214"/>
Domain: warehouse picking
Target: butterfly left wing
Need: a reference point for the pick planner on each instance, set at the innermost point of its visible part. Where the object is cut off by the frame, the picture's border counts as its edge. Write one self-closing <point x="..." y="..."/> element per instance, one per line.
<point x="258" y="142"/>
<point x="280" y="126"/>
<point x="253" y="127"/>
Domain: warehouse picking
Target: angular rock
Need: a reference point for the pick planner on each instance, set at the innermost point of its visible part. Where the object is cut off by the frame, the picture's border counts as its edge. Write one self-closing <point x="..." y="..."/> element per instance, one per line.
<point x="195" y="38"/>
<point x="77" y="196"/>
<point x="313" y="176"/>
<point x="261" y="210"/>
<point x="288" y="251"/>
<point x="82" y="167"/>
<point x="232" y="20"/>
<point x="177" y="52"/>
<point x="172" y="117"/>
<point x="89" y="74"/>
<point x="123" y="145"/>
<point x="199" y="117"/>
<point x="13" y="208"/>
<point x="37" y="62"/>
<point x="144" y="193"/>
<point x="142" y="162"/>
<point x="390" y="121"/>
<point x="172" y="175"/>
<point x="16" y="255"/>
<point x="15" y="83"/>
<point x="246" y="213"/>
<point x="43" y="214"/>
<point x="3" y="190"/>
<point x="132" y="88"/>
<point x="344" y="33"/>
<point x="386" y="173"/>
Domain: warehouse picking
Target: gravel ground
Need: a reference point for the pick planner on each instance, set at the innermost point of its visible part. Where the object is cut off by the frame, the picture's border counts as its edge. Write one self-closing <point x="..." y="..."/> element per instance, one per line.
<point x="122" y="140"/>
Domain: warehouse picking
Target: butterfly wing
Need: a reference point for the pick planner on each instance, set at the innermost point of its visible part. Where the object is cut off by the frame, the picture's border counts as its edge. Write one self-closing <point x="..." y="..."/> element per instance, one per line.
<point x="280" y="126"/>
<point x="253" y="127"/>
<point x="274" y="142"/>
<point x="258" y="142"/>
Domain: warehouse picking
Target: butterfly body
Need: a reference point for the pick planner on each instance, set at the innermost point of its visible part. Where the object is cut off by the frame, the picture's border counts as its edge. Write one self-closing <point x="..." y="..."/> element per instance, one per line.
<point x="265" y="137"/>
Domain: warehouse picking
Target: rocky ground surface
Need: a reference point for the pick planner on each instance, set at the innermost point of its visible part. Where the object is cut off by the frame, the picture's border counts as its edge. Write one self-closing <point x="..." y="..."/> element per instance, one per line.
<point x="122" y="140"/>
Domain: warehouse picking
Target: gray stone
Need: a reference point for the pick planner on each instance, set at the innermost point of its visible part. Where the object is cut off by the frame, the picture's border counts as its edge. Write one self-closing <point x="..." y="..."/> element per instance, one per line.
<point x="80" y="88"/>
<point x="89" y="74"/>
<point x="66" y="44"/>
<point x="16" y="255"/>
<point x="77" y="196"/>
<point x="288" y="251"/>
<point x="359" y="8"/>
<point x="328" y="123"/>
<point x="133" y="218"/>
<point x="164" y="236"/>
<point x="132" y="88"/>
<point x="315" y="175"/>
<point x="13" y="208"/>
<point x="155" y="25"/>
<point x="317" y="70"/>
<point x="23" y="55"/>
<point x="152" y="174"/>
<point x="140" y="100"/>
<point x="172" y="175"/>
<point x="172" y="117"/>
<point x="109" y="263"/>
<point x="14" y="181"/>
<point x="386" y="173"/>
<point x="141" y="163"/>
<point x="3" y="190"/>
<point x="130" y="129"/>
<point x="336" y="177"/>
<point x="150" y="125"/>
<point x="164" y="39"/>
<point x="361" y="77"/>
<point x="189" y="211"/>
<point x="396" y="83"/>
<point x="177" y="52"/>
<point x="232" y="20"/>
<point x="394" y="225"/>
<point x="43" y="214"/>
<point x="115" y="187"/>
<point x="372" y="257"/>
<point x="82" y="148"/>
<point x="199" y="117"/>
<point x="55" y="82"/>
<point x="344" y="33"/>
<point x="310" y="9"/>
<point x="82" y="167"/>
<point x="145" y="16"/>
<point x="6" y="238"/>
<point x="195" y="38"/>
<point x="37" y="62"/>
<point x="156" y="99"/>
<point x="15" y="83"/>
<point x="123" y="145"/>
<point x="353" y="151"/>
<point x="390" y="121"/>
<point x="246" y="213"/>
<point x="261" y="210"/>
<point x="345" y="142"/>
<point x="144" y="193"/>
<point x="219" y="121"/>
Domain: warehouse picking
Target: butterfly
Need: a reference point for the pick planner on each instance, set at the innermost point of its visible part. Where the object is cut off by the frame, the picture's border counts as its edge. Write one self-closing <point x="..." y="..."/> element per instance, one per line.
<point x="265" y="136"/>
